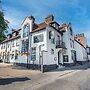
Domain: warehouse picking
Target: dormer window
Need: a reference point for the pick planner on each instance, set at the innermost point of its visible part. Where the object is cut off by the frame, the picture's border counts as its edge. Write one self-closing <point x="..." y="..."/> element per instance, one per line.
<point x="26" y="30"/>
<point x="14" y="34"/>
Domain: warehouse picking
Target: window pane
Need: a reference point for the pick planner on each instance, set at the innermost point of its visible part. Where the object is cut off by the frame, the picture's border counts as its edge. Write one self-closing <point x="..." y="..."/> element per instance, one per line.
<point x="65" y="58"/>
<point x="33" y="53"/>
<point x="25" y="30"/>
<point x="38" y="38"/>
<point x="24" y="46"/>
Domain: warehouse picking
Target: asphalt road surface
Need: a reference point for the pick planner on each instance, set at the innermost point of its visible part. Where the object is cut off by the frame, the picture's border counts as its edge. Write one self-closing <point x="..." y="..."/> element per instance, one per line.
<point x="76" y="81"/>
<point x="15" y="79"/>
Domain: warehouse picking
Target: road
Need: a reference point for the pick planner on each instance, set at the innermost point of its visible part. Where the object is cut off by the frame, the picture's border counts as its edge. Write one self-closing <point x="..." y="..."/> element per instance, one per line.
<point x="77" y="78"/>
<point x="76" y="81"/>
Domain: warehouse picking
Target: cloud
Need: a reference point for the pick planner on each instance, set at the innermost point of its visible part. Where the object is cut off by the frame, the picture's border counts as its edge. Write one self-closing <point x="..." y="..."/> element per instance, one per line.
<point x="74" y="11"/>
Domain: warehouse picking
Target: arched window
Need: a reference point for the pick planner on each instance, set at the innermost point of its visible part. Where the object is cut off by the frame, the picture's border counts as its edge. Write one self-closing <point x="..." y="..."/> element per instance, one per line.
<point x="26" y="30"/>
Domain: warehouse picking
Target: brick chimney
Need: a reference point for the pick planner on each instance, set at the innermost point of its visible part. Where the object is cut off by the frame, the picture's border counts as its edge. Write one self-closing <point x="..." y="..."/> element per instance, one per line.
<point x="81" y="39"/>
<point x="49" y="19"/>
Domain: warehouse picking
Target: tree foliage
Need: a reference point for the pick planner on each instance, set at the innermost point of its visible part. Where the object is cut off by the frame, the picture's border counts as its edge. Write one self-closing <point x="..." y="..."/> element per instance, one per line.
<point x="3" y="26"/>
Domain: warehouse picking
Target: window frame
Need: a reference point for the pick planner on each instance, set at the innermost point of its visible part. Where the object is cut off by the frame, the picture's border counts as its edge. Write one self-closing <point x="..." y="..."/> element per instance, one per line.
<point x="40" y="38"/>
<point x="26" y="29"/>
<point x="67" y="60"/>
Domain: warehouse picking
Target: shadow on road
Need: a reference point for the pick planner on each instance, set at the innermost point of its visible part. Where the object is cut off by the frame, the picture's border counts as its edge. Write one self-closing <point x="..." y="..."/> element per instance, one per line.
<point x="4" y="81"/>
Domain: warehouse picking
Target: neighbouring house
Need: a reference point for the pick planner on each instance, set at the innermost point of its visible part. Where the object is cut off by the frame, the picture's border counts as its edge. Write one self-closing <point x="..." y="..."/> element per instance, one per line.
<point x="9" y="48"/>
<point x="69" y="56"/>
<point x="81" y="39"/>
<point x="48" y="43"/>
<point x="80" y="46"/>
<point x="75" y="46"/>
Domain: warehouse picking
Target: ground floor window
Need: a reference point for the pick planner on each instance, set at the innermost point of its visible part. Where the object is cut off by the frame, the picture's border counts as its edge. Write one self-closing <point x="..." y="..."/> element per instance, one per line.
<point x="16" y="56"/>
<point x="52" y="51"/>
<point x="73" y="55"/>
<point x="33" y="53"/>
<point x="12" y="56"/>
<point x="65" y="58"/>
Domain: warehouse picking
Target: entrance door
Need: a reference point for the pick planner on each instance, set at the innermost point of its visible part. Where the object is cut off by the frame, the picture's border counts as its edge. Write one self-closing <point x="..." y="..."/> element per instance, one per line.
<point x="59" y="58"/>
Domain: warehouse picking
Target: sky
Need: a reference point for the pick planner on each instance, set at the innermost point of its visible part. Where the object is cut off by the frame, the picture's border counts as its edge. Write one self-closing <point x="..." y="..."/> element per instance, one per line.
<point x="75" y="11"/>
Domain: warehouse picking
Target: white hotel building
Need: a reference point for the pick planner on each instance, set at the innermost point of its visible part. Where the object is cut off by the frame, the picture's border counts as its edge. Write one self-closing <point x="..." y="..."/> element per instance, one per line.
<point x="48" y="41"/>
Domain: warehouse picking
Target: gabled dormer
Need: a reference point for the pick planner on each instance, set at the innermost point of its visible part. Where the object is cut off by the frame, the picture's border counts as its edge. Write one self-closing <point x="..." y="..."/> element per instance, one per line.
<point x="27" y="26"/>
<point x="9" y="36"/>
<point x="66" y="27"/>
<point x="15" y="32"/>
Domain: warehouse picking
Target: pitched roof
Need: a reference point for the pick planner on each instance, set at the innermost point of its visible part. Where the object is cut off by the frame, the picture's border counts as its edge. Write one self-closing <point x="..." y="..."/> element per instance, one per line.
<point x="62" y="27"/>
<point x="10" y="39"/>
<point x="40" y="26"/>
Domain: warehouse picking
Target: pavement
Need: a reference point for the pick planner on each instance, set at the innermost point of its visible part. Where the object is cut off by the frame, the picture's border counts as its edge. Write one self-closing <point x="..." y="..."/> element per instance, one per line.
<point x="16" y="79"/>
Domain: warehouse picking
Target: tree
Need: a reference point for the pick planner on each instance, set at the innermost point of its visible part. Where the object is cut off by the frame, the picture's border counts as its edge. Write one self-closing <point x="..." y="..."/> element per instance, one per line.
<point x="3" y="26"/>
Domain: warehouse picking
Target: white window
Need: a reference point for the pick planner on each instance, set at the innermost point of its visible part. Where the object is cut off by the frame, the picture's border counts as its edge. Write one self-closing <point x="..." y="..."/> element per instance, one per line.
<point x="12" y="56"/>
<point x="14" y="34"/>
<point x="16" y="56"/>
<point x="73" y="43"/>
<point x="65" y="58"/>
<point x="17" y="42"/>
<point x="13" y="43"/>
<point x="26" y="30"/>
<point x="25" y="46"/>
<point x="38" y="38"/>
<point x="51" y="36"/>
<point x="4" y="46"/>
<point x="52" y="51"/>
<point x="70" y="43"/>
<point x="33" y="53"/>
<point x="1" y="46"/>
